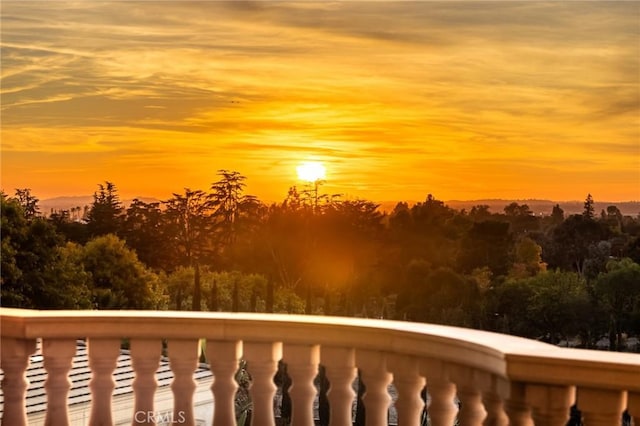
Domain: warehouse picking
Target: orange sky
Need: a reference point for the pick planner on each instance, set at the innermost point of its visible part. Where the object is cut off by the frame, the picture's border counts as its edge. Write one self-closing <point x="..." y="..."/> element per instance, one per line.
<point x="462" y="100"/>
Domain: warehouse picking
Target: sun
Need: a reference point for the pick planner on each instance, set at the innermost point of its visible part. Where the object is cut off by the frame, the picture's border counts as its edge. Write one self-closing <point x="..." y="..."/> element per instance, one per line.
<point x="311" y="171"/>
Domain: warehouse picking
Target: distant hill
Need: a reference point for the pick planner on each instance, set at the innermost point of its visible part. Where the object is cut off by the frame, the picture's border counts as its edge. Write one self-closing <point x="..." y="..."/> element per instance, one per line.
<point x="538" y="207"/>
<point x="66" y="203"/>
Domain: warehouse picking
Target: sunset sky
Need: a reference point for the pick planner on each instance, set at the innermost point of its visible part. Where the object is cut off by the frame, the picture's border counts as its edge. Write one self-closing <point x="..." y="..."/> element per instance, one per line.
<point x="397" y="99"/>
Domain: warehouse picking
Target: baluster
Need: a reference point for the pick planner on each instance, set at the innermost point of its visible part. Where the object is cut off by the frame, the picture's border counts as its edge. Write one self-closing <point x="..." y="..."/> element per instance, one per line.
<point x="494" y="392"/>
<point x="633" y="404"/>
<point x="472" y="411"/>
<point x="103" y="358"/>
<point x="341" y="370"/>
<point x="224" y="358"/>
<point x="183" y="358"/>
<point x="373" y="370"/>
<point x="409" y="384"/>
<point x="518" y="409"/>
<point x="550" y="403"/>
<point x="14" y="361"/>
<point x="442" y="410"/>
<point x="601" y="407"/>
<point x="57" y="356"/>
<point x="262" y="360"/>
<point x="145" y="358"/>
<point x="302" y="364"/>
<point x="494" y="406"/>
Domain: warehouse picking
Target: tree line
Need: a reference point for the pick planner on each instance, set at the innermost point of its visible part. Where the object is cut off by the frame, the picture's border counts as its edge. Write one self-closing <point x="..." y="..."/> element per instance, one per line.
<point x="548" y="277"/>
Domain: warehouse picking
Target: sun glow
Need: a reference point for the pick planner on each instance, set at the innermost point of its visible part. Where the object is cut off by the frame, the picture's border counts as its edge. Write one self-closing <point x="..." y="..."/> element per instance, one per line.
<point x="311" y="171"/>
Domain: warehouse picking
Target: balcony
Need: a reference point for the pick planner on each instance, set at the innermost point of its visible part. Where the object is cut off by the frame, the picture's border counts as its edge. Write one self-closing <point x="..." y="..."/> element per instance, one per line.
<point x="497" y="379"/>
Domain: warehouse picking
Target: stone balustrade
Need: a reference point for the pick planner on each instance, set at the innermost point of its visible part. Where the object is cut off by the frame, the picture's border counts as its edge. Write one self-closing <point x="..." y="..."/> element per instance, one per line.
<point x="497" y="379"/>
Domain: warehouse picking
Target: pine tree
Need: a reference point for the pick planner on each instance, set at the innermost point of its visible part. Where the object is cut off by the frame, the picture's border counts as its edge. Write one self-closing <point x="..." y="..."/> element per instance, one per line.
<point x="106" y="213"/>
<point x="589" y="210"/>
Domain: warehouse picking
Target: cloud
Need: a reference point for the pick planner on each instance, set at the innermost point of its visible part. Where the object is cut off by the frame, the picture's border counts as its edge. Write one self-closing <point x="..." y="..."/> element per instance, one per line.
<point x="371" y="87"/>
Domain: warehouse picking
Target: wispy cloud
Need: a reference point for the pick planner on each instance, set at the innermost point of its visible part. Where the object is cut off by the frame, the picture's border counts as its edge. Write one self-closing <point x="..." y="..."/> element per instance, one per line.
<point x="461" y="97"/>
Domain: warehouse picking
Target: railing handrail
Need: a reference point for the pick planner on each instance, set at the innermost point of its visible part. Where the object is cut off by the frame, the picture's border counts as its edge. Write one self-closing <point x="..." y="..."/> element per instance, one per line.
<point x="510" y="357"/>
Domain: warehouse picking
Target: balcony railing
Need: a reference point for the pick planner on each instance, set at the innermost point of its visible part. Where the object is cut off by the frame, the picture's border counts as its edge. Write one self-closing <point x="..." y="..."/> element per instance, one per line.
<point x="497" y="379"/>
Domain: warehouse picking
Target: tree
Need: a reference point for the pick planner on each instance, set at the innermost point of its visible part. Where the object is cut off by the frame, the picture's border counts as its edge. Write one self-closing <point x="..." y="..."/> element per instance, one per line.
<point x="515" y="210"/>
<point x="521" y="218"/>
<point x="560" y="304"/>
<point x="119" y="280"/>
<point x="569" y="245"/>
<point x="227" y="200"/>
<point x="191" y="225"/>
<point x="613" y="218"/>
<point x="68" y="285"/>
<point x="618" y="292"/>
<point x="589" y="209"/>
<point x="13" y="232"/>
<point x="345" y="253"/>
<point x="440" y="296"/>
<point x="37" y="270"/>
<point x="428" y="230"/>
<point x="73" y="230"/>
<point x="553" y="304"/>
<point x="528" y="259"/>
<point x="480" y="213"/>
<point x="596" y="262"/>
<point x="557" y="215"/>
<point x="105" y="214"/>
<point x="28" y="202"/>
<point x="145" y="230"/>
<point x="234" y="213"/>
<point x="487" y="244"/>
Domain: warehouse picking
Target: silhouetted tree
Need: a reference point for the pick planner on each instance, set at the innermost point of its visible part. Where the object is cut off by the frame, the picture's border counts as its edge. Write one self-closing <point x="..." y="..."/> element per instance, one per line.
<point x="28" y="202"/>
<point x="145" y="229"/>
<point x="487" y="244"/>
<point x="589" y="209"/>
<point x="105" y="214"/>
<point x="480" y="213"/>
<point x="190" y="225"/>
<point x="569" y="245"/>
<point x="521" y="218"/>
<point x="557" y="215"/>
<point x="236" y="216"/>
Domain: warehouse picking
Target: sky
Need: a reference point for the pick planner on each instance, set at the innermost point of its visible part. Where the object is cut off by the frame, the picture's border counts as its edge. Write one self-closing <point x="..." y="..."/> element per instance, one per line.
<point x="463" y="100"/>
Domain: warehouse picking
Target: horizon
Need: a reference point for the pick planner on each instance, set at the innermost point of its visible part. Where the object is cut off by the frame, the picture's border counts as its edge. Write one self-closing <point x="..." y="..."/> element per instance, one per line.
<point x="464" y="100"/>
<point x="140" y="196"/>
<point x="538" y="207"/>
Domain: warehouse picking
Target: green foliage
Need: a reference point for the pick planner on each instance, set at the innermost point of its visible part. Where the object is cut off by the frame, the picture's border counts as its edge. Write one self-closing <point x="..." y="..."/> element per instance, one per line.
<point x="251" y="292"/>
<point x="439" y="296"/>
<point x="118" y="278"/>
<point x="37" y="270"/>
<point x="618" y="292"/>
<point x="568" y="248"/>
<point x="224" y="250"/>
<point x="69" y="285"/>
<point x="14" y="233"/>
<point x="552" y="304"/>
